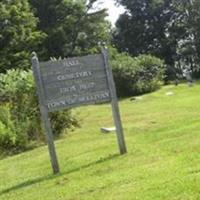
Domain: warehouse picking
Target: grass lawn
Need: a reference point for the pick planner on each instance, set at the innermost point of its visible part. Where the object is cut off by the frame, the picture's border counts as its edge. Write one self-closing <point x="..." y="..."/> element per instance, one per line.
<point x="163" y="161"/>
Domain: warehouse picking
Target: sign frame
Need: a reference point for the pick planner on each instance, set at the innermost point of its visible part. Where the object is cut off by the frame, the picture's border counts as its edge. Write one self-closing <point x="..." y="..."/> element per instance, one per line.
<point x="44" y="109"/>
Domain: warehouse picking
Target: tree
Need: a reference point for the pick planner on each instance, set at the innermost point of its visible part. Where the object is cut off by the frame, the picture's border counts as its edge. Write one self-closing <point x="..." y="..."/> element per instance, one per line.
<point x="18" y="36"/>
<point x="72" y="27"/>
<point x="192" y="43"/>
<point x="187" y="49"/>
<point x="151" y="26"/>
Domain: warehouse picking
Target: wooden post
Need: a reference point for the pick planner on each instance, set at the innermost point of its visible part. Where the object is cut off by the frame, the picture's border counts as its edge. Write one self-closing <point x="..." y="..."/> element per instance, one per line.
<point x="44" y="114"/>
<point x="115" y="106"/>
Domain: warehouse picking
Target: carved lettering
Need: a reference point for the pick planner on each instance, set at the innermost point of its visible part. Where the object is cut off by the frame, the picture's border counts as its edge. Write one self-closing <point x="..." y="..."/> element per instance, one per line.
<point x="87" y="86"/>
<point x="68" y="89"/>
<point x="94" y="97"/>
<point x="71" y="63"/>
<point x="79" y="99"/>
<point x="78" y="87"/>
<point x="74" y="75"/>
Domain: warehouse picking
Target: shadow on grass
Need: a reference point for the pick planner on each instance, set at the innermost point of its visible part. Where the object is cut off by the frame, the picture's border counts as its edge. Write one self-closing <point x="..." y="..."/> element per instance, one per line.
<point x="50" y="177"/>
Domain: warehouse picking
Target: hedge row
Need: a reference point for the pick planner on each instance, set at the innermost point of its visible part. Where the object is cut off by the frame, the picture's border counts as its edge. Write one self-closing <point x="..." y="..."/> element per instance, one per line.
<point x="138" y="75"/>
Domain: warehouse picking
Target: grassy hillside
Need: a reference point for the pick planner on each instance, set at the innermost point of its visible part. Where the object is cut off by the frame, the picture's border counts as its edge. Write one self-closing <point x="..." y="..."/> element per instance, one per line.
<point x="163" y="161"/>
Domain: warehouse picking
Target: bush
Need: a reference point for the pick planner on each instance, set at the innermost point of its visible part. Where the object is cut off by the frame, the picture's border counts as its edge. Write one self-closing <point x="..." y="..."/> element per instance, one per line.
<point x="7" y="136"/>
<point x="20" y="124"/>
<point x="135" y="76"/>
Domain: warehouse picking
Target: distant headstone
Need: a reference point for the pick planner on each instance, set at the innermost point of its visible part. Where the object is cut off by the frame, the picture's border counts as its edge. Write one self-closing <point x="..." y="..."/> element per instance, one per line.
<point x="187" y="73"/>
<point x="75" y="82"/>
<point x="136" y="98"/>
<point x="169" y="93"/>
<point x="107" y="130"/>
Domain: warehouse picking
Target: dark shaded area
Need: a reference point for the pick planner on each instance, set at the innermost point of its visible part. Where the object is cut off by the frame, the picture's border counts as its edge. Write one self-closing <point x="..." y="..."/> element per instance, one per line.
<point x="51" y="177"/>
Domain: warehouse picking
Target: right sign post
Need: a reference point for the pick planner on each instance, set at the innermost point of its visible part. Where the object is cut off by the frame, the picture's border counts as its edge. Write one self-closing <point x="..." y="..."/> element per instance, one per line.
<point x="114" y="102"/>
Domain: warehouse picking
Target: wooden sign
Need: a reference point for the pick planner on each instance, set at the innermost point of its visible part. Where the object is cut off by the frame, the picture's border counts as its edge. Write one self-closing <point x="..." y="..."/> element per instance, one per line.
<point x="75" y="82"/>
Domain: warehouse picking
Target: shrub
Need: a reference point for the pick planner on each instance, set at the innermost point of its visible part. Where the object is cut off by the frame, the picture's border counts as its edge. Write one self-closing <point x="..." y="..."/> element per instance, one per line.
<point x="135" y="76"/>
<point x="11" y="137"/>
<point x="20" y="123"/>
<point x="7" y="136"/>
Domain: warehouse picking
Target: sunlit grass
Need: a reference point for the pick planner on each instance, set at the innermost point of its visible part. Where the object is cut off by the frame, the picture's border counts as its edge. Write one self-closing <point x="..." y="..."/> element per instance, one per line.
<point x="163" y="160"/>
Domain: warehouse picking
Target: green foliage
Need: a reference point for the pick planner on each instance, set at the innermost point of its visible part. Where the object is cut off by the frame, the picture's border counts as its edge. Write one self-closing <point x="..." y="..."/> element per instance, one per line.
<point x="194" y="21"/>
<point x="159" y="27"/>
<point x="137" y="75"/>
<point x="143" y="28"/>
<point x="18" y="35"/>
<point x="72" y="27"/>
<point x="8" y="138"/>
<point x="189" y="48"/>
<point x="19" y="113"/>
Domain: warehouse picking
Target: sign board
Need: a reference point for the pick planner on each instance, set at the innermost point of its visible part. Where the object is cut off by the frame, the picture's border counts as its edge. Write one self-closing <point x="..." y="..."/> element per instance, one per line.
<point x="74" y="82"/>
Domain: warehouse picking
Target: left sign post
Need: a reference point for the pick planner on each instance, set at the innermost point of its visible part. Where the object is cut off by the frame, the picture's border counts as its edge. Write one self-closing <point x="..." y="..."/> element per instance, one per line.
<point x="44" y="113"/>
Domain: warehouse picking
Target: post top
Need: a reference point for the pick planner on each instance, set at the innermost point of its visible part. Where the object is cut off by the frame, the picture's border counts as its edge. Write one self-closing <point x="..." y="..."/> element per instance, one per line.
<point x="34" y="54"/>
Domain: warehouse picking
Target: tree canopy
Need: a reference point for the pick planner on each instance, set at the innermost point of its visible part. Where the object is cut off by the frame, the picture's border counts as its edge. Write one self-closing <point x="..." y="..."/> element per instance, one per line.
<point x="18" y="35"/>
<point x="155" y="27"/>
<point x="168" y="29"/>
<point x="57" y="28"/>
<point x="72" y="27"/>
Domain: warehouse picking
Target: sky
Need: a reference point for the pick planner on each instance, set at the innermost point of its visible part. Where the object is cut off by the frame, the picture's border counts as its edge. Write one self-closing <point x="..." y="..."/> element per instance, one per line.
<point x="113" y="10"/>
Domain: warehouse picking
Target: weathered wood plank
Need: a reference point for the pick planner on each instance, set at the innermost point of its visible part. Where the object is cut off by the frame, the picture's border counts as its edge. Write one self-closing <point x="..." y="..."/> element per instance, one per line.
<point x="44" y="114"/>
<point x="79" y="75"/>
<point x="114" y="102"/>
<point x="77" y="100"/>
<point x="53" y="93"/>
<point x="71" y="64"/>
<point x="74" y="82"/>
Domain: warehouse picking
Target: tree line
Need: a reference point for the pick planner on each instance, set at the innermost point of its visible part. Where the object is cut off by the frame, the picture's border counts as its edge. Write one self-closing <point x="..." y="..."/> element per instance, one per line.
<point x="168" y="29"/>
<point x="49" y="27"/>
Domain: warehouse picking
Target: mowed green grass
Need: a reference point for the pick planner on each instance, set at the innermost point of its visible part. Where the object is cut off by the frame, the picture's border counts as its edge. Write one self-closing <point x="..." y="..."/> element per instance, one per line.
<point x="163" y="160"/>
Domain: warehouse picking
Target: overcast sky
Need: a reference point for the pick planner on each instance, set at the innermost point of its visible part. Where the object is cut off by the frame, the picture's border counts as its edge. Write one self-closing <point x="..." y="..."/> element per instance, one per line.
<point x="113" y="11"/>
